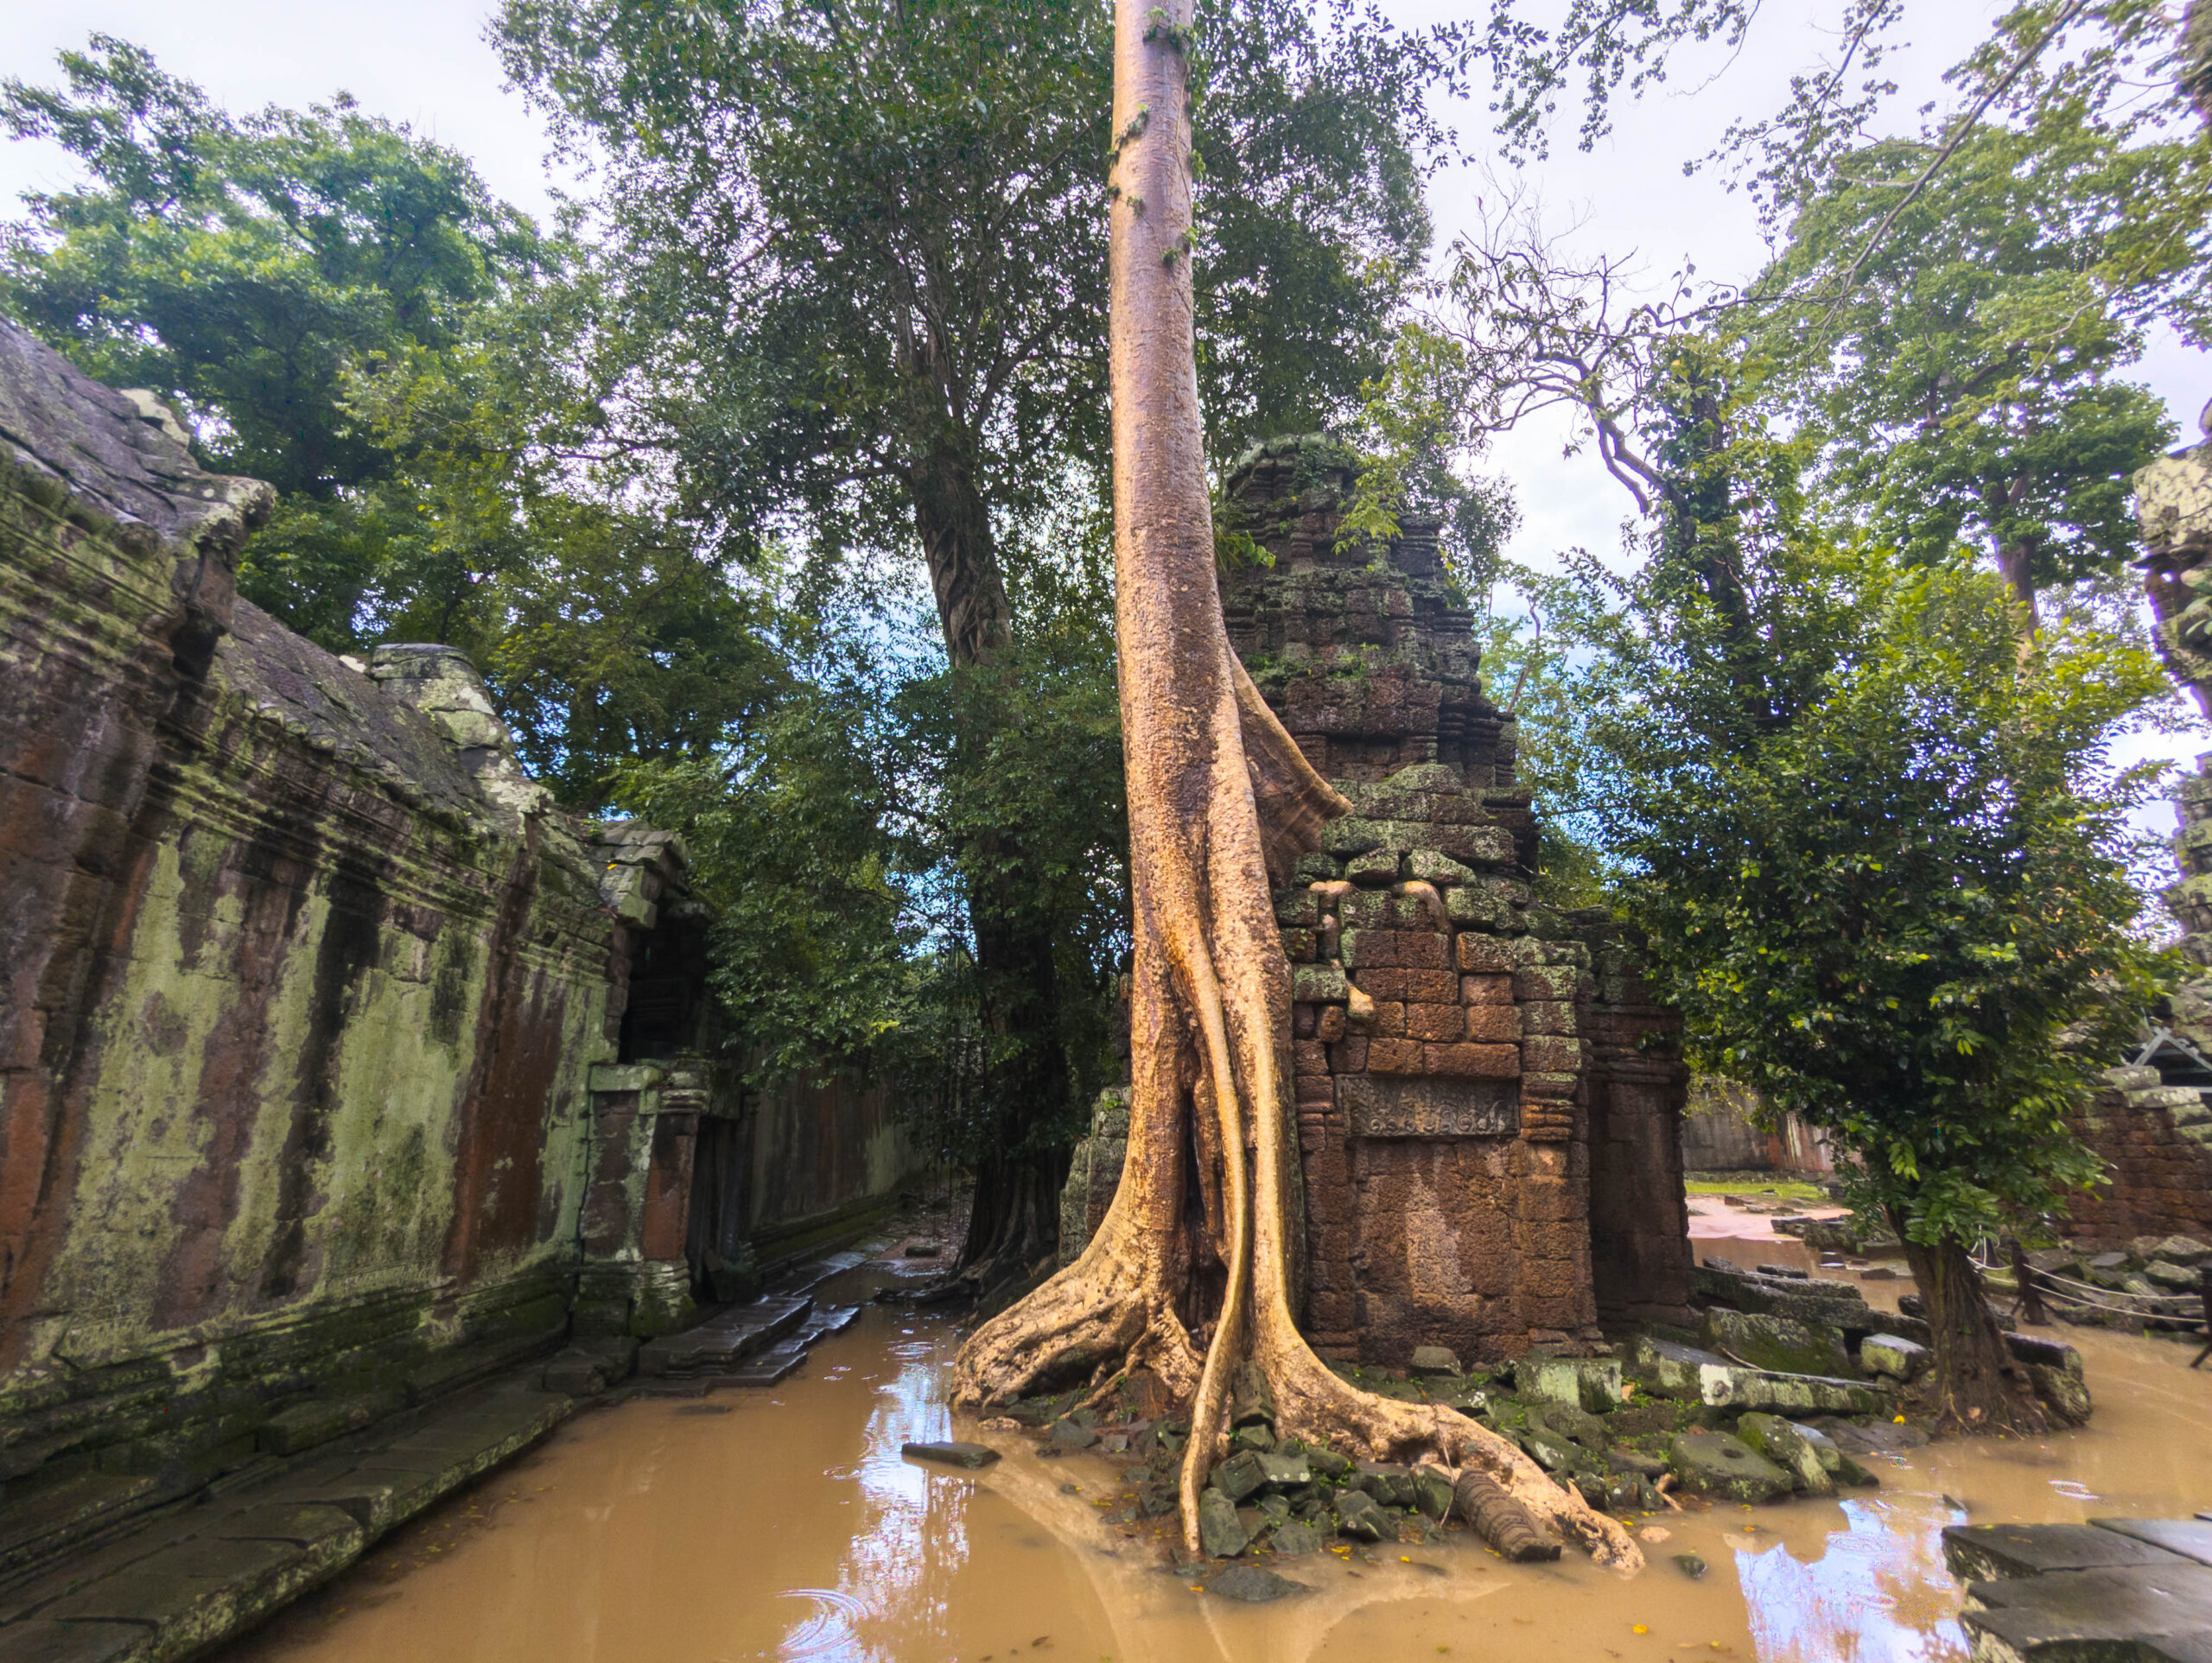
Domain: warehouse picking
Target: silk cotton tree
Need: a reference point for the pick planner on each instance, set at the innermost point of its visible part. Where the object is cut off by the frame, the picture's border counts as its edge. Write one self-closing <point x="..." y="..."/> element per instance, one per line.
<point x="1218" y="797"/>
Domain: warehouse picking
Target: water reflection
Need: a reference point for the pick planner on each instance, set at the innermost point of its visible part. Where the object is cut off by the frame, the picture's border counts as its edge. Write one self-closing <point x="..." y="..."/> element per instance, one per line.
<point x="913" y="1535"/>
<point x="1877" y="1593"/>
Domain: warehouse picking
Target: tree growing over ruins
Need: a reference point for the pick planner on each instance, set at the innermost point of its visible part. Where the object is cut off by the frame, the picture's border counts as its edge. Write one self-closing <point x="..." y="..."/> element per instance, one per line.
<point x="1877" y="850"/>
<point x="1219" y="796"/>
<point x="864" y="307"/>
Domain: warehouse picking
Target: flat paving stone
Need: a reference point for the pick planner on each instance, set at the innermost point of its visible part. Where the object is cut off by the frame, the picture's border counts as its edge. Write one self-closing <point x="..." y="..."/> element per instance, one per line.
<point x="1996" y="1552"/>
<point x="2190" y="1537"/>
<point x="2163" y="1612"/>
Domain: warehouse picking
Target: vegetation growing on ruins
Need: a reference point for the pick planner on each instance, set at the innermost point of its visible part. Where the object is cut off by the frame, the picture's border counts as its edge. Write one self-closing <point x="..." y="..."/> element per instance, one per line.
<point x="665" y="470"/>
<point x="1879" y="854"/>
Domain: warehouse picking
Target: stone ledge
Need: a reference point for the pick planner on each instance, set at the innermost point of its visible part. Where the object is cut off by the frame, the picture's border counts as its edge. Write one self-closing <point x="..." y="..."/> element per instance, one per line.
<point x="189" y="1580"/>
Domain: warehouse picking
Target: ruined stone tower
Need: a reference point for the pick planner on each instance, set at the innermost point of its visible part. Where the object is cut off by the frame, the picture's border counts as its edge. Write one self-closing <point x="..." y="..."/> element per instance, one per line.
<point x="1488" y="1101"/>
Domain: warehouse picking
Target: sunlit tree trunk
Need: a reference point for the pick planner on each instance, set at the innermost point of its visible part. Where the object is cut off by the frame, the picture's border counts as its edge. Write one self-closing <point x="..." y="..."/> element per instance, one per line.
<point x="1218" y="792"/>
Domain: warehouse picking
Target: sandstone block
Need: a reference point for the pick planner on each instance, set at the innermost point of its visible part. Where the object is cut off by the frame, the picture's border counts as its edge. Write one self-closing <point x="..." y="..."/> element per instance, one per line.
<point x="1547" y="1053"/>
<point x="1486" y="989"/>
<point x="1547" y="1016"/>
<point x="1715" y="1463"/>
<point x="1545" y="981"/>
<point x="1474" y="1061"/>
<point x="1329" y="1026"/>
<point x="1493" y="1023"/>
<point x="1388" y="1021"/>
<point x="1443" y="1023"/>
<point x="1308" y="1057"/>
<point x="1485" y="954"/>
<point x="1395" y="1056"/>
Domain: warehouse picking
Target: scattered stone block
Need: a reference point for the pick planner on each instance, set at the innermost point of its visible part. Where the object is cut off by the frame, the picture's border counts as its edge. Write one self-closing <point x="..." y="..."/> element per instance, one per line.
<point x="1893" y="1357"/>
<point x="1071" y="1435"/>
<point x="1359" y="1518"/>
<point x="1294" y="1539"/>
<point x="1780" y="1441"/>
<point x="1222" y="1535"/>
<point x="951" y="1454"/>
<point x="1435" y="1360"/>
<point x="1715" y="1463"/>
<point x="1252" y="1585"/>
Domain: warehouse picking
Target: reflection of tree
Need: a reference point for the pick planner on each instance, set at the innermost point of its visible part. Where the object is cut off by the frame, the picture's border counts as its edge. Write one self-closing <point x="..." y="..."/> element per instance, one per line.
<point x="914" y="1536"/>
<point x="1878" y="1594"/>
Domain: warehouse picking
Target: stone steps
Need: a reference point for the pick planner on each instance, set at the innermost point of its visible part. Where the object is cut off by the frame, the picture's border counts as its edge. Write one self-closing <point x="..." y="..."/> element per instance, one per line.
<point x="187" y="1580"/>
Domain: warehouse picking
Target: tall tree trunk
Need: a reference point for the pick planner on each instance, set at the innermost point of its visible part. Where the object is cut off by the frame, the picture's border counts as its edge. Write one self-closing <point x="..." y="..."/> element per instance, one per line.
<point x="1978" y="1386"/>
<point x="1209" y="1011"/>
<point x="955" y="524"/>
<point x="2015" y="565"/>
<point x="1013" y="1216"/>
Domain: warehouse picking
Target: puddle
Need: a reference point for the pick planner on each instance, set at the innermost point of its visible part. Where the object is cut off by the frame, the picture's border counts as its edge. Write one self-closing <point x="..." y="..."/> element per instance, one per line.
<point x="791" y="1527"/>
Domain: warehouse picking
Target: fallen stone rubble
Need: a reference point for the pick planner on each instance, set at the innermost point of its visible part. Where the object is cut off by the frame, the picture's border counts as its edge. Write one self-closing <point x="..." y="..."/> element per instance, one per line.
<point x="2138" y="1589"/>
<point x="1792" y="1386"/>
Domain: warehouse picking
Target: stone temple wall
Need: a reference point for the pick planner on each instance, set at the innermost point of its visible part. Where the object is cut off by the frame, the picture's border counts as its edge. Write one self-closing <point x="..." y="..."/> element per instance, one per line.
<point x="1488" y="1105"/>
<point x="316" y="1026"/>
<point x="2155" y="1134"/>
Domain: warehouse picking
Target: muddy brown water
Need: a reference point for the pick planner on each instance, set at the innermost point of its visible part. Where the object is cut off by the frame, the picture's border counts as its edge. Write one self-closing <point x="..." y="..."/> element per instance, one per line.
<point x="784" y="1524"/>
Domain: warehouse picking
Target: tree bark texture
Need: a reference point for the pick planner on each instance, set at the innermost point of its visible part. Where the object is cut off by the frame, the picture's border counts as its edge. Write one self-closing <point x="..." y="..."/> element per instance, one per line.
<point x="1014" y="1218"/>
<point x="1978" y="1385"/>
<point x="1209" y="1027"/>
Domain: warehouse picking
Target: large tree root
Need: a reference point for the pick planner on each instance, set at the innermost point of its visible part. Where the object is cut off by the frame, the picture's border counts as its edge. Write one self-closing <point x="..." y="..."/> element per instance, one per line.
<point x="1220" y="796"/>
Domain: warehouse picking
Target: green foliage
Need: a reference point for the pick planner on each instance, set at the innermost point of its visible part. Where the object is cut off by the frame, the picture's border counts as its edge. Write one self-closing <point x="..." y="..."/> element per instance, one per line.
<point x="838" y="840"/>
<point x="1878" y="847"/>
<point x="246" y="269"/>
<point x="865" y="244"/>
<point x="1959" y="368"/>
<point x="341" y="308"/>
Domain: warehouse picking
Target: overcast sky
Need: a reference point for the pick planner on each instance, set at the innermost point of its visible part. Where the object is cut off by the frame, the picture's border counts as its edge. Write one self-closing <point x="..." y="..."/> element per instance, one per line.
<point x="426" y="64"/>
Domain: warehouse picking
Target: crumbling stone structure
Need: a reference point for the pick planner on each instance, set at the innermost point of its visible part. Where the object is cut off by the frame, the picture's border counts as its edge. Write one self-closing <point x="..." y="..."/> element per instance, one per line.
<point x="332" y="1052"/>
<point x="2155" y="1134"/>
<point x="1488" y="1103"/>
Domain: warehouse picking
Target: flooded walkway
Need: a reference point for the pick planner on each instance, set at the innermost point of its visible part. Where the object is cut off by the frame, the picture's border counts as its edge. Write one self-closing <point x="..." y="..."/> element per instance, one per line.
<point x="784" y="1524"/>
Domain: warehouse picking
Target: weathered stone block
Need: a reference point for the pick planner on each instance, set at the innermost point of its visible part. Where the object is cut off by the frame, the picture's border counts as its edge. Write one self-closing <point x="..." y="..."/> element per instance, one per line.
<point x="1445" y="1023"/>
<point x="1493" y="1023"/>
<point x="1777" y="1343"/>
<point x="1395" y="1056"/>
<point x="1485" y="954"/>
<point x="1472" y="1061"/>
<point x="1486" y="989"/>
<point x="1893" y="1357"/>
<point x="1781" y="1442"/>
<point x="1715" y="1463"/>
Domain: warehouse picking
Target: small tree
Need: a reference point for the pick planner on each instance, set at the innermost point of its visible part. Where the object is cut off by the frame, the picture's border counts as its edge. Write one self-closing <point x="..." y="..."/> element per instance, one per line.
<point x="1879" y="853"/>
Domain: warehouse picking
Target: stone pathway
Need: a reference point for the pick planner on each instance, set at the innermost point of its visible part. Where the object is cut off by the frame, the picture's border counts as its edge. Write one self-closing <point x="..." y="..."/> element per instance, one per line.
<point x="2138" y="1589"/>
<point x="199" y="1572"/>
<point x="176" y="1582"/>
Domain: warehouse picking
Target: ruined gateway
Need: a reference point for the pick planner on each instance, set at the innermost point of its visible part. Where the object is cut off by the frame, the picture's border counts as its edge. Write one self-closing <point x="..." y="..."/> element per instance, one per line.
<point x="339" y="1067"/>
<point x="1488" y="1102"/>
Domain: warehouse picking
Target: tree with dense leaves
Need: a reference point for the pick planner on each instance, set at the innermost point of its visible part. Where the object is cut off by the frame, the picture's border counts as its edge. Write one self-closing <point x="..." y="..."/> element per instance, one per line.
<point x="1219" y="795"/>
<point x="1876" y="850"/>
<point x="864" y="259"/>
<point x="341" y="307"/>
